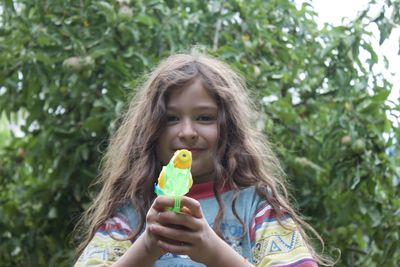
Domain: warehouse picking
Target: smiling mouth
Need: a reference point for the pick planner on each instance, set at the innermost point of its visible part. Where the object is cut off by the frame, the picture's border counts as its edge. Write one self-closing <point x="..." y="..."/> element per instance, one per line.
<point x="194" y="151"/>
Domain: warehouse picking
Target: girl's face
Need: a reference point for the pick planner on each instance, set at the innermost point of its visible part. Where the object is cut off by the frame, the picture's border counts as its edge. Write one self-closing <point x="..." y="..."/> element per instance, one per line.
<point x="191" y="124"/>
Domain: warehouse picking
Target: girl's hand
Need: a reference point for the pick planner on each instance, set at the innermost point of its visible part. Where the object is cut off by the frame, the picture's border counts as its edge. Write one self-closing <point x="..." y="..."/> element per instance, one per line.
<point x="148" y="238"/>
<point x="185" y="233"/>
<point x="145" y="250"/>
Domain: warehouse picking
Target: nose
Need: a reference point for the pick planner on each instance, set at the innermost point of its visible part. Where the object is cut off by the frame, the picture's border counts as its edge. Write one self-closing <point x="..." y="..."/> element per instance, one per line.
<point x="187" y="130"/>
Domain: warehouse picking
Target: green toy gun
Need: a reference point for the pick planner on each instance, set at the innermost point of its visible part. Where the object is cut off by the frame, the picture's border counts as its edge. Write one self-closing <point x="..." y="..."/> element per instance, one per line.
<point x="175" y="179"/>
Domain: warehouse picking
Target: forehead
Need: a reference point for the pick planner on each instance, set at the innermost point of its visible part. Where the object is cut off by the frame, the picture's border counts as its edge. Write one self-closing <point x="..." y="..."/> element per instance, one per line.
<point x="191" y="94"/>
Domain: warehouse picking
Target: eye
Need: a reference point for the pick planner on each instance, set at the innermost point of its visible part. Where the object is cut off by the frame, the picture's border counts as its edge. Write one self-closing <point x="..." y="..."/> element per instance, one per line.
<point x="206" y="118"/>
<point x="172" y="118"/>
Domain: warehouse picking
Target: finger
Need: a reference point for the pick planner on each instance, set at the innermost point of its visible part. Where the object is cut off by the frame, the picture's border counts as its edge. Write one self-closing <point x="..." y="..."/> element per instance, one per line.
<point x="193" y="206"/>
<point x="151" y="216"/>
<point x="186" y="210"/>
<point x="163" y="202"/>
<point x="173" y="235"/>
<point x="170" y="241"/>
<point x="190" y="205"/>
<point x="175" y="248"/>
<point x="179" y="220"/>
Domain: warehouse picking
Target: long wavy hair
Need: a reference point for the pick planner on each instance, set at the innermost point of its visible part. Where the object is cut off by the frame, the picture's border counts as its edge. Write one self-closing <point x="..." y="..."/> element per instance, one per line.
<point x="243" y="156"/>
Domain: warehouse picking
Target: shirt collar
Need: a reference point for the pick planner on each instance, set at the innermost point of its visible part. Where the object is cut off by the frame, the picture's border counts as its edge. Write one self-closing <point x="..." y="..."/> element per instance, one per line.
<point x="204" y="190"/>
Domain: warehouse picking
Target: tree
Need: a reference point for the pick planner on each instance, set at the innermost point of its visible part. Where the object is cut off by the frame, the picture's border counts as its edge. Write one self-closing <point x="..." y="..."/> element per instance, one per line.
<point x="68" y="68"/>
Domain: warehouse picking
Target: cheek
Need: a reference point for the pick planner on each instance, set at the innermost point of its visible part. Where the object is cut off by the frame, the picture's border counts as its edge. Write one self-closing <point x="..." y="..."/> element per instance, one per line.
<point x="165" y="137"/>
<point x="213" y="136"/>
<point x="169" y="132"/>
<point x="163" y="156"/>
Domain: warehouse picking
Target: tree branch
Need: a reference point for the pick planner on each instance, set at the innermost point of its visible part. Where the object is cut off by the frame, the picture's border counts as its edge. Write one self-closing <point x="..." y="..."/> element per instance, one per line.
<point x="218" y="26"/>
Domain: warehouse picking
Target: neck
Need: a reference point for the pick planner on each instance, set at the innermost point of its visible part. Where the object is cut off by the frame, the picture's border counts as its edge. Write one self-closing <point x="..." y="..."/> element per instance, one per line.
<point x="205" y="178"/>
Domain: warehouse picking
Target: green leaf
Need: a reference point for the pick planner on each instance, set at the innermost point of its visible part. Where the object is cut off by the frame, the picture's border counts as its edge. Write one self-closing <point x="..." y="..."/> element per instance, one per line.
<point x="381" y="96"/>
<point x="385" y="28"/>
<point x="145" y="20"/>
<point x="107" y="10"/>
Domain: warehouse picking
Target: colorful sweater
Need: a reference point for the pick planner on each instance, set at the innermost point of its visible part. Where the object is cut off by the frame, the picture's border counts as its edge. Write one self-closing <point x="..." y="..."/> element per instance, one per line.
<point x="266" y="242"/>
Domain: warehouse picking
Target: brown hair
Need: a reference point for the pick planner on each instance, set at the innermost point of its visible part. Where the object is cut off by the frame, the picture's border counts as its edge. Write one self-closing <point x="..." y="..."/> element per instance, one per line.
<point x="131" y="159"/>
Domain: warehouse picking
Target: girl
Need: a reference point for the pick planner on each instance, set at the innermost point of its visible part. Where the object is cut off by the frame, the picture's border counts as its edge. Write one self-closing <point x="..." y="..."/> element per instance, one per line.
<point x="238" y="213"/>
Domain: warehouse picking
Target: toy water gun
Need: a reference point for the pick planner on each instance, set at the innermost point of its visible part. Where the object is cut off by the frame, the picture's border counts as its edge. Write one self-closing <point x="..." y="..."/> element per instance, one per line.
<point x="175" y="179"/>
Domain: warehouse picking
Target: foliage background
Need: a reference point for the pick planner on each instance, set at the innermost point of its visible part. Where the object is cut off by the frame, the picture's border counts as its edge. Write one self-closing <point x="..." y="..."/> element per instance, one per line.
<point x="68" y="67"/>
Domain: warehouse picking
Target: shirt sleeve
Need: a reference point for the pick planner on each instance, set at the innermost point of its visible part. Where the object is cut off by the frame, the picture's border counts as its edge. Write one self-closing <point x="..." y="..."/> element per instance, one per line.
<point x="103" y="249"/>
<point x="275" y="245"/>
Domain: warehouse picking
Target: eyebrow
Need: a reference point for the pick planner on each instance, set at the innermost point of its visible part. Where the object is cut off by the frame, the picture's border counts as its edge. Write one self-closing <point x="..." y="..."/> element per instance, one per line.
<point x="197" y="108"/>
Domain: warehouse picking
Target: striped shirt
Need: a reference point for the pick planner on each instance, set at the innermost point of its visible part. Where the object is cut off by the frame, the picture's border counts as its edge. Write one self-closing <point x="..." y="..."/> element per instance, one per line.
<point x="266" y="242"/>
